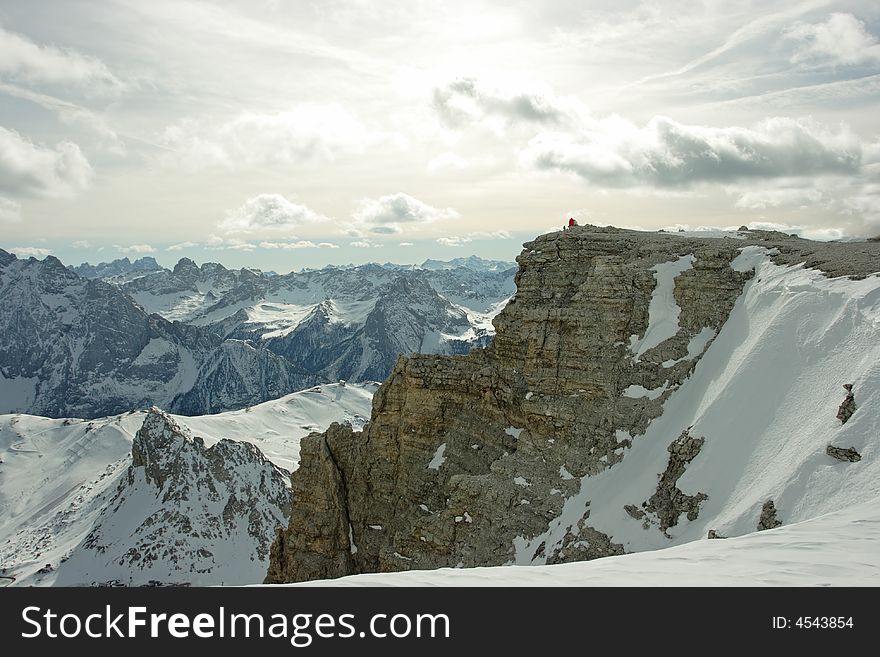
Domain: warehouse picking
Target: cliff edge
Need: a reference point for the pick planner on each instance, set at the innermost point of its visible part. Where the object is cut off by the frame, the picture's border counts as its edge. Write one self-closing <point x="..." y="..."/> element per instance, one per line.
<point x="476" y="460"/>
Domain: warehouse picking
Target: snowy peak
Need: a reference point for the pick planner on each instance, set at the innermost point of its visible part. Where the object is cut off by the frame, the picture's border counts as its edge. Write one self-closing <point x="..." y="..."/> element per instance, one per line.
<point x="117" y="267"/>
<point x="186" y="269"/>
<point x="157" y="445"/>
<point x="184" y="513"/>
<point x="473" y="262"/>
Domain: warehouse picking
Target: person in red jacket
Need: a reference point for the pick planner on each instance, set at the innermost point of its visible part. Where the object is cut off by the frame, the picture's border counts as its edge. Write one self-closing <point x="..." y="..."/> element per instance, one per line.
<point x="572" y="222"/>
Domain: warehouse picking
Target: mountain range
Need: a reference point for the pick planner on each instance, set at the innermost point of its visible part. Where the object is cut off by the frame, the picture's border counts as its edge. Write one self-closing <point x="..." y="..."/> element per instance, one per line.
<point x="91" y="341"/>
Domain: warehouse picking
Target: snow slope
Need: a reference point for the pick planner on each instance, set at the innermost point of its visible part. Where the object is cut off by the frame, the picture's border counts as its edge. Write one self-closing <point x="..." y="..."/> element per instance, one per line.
<point x="837" y="549"/>
<point x="57" y="475"/>
<point x="764" y="396"/>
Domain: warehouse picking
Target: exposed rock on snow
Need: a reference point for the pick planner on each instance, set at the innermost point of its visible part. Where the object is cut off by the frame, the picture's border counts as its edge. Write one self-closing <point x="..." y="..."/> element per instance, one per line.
<point x="668" y="502"/>
<point x="843" y="453"/>
<point x="713" y="534"/>
<point x="848" y="406"/>
<point x="768" y="518"/>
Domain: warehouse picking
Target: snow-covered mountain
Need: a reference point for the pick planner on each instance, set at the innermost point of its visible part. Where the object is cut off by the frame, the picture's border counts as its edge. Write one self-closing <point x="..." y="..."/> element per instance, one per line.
<point x="146" y="496"/>
<point x="337" y="322"/>
<point x="123" y="267"/>
<point x="472" y="262"/>
<point x="71" y="346"/>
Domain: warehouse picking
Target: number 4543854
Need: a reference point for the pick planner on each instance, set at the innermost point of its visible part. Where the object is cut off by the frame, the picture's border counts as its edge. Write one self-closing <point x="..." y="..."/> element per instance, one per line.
<point x="823" y="622"/>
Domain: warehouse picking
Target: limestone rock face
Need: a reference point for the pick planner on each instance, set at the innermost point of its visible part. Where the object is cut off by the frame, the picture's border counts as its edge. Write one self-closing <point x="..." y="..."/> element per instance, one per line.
<point x="464" y="454"/>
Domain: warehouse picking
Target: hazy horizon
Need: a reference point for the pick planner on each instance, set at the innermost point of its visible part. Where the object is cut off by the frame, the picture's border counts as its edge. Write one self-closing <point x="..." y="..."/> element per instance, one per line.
<point x="285" y="135"/>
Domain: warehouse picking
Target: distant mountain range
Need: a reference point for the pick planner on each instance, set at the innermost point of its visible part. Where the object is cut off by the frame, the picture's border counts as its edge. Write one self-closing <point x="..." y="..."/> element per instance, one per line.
<point x="94" y="340"/>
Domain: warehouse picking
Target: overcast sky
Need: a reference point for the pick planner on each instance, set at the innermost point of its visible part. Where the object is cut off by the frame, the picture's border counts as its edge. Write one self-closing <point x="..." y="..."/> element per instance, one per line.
<point x="282" y="134"/>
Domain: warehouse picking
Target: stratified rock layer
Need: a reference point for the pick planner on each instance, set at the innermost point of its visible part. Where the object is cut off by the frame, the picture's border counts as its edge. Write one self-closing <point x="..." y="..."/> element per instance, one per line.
<point x="465" y="454"/>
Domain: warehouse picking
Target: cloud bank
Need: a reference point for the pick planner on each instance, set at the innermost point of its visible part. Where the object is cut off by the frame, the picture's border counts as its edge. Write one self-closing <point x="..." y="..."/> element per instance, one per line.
<point x="615" y="152"/>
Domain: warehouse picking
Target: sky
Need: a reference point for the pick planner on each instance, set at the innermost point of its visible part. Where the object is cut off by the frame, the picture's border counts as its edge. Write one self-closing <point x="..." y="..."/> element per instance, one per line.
<point x="282" y="135"/>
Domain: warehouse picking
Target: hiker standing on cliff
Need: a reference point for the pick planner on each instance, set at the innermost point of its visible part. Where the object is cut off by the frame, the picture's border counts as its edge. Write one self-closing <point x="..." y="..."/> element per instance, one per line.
<point x="572" y="222"/>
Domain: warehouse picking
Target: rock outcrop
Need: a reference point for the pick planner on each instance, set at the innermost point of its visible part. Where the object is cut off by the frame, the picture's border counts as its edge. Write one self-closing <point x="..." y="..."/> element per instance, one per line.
<point x="843" y="453"/>
<point x="668" y="502"/>
<point x="848" y="405"/>
<point x="768" y="519"/>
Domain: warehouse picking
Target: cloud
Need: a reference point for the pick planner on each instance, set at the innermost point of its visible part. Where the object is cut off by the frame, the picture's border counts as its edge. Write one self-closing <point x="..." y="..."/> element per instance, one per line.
<point x="10" y="211"/>
<point x="81" y="244"/>
<point x="465" y="100"/>
<point x="453" y="241"/>
<point x="215" y="243"/>
<point x="307" y="132"/>
<point x="136" y="248"/>
<point x="447" y="161"/>
<point x="27" y="169"/>
<point x="23" y="60"/>
<point x="492" y="235"/>
<point x="385" y="215"/>
<point x="614" y="152"/>
<point x="842" y="40"/>
<point x="405" y="244"/>
<point x="180" y="246"/>
<point x="363" y="244"/>
<point x="268" y="211"/>
<point x="301" y="244"/>
<point x="29" y="251"/>
<point x="461" y="240"/>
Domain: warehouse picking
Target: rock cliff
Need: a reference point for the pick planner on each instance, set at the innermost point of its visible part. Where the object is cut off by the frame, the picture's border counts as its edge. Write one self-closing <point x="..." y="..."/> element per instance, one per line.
<point x="466" y="457"/>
